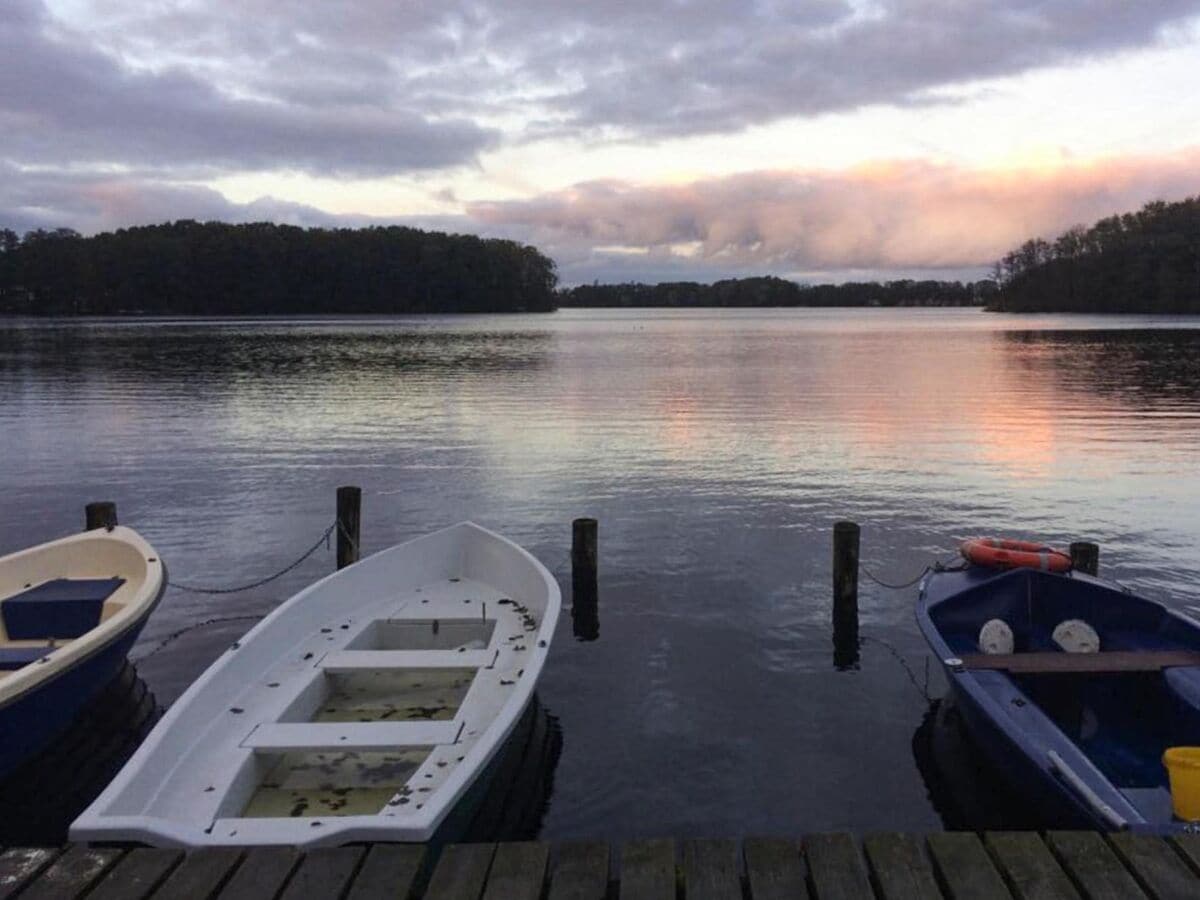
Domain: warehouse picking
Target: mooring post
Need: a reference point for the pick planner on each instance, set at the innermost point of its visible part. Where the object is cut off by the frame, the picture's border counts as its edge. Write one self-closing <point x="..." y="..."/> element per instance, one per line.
<point x="1085" y="556"/>
<point x="845" y="593"/>
<point x="101" y="514"/>
<point x="349" y="518"/>
<point x="585" y="588"/>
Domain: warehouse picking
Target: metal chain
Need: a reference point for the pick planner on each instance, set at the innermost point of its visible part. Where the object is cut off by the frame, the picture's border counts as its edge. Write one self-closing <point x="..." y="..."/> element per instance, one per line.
<point x="195" y="589"/>
<point x="176" y="635"/>
<point x="932" y="567"/>
<point x="923" y="690"/>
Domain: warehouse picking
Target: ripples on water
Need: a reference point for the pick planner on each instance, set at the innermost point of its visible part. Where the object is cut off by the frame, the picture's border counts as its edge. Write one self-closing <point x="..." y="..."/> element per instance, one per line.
<point x="715" y="447"/>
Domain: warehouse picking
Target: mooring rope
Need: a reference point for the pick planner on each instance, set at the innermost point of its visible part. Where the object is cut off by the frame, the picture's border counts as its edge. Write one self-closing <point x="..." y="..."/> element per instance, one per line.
<point x="346" y="534"/>
<point x="323" y="539"/>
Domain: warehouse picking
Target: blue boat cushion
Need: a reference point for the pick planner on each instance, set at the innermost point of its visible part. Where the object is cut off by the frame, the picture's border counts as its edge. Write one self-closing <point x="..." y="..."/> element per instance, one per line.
<point x="62" y="608"/>
<point x="18" y="657"/>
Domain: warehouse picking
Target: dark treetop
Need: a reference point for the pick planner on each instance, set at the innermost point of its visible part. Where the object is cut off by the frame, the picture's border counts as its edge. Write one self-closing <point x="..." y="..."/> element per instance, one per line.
<point x="1142" y="262"/>
<point x="193" y="268"/>
<point x="769" y="291"/>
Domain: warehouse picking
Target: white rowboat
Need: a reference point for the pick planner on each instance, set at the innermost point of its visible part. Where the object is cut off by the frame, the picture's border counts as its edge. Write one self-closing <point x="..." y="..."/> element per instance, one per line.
<point x="362" y="709"/>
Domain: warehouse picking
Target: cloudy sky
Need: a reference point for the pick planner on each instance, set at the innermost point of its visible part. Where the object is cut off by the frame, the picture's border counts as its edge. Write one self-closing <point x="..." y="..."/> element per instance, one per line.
<point x="650" y="140"/>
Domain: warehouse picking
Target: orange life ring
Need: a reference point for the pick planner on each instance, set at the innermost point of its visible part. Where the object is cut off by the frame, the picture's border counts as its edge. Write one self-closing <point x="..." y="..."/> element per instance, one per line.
<point x="1003" y="554"/>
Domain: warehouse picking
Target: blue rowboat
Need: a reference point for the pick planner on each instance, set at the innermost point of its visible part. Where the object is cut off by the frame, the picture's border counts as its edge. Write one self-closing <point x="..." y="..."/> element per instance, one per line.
<point x="1079" y="734"/>
<point x="69" y="612"/>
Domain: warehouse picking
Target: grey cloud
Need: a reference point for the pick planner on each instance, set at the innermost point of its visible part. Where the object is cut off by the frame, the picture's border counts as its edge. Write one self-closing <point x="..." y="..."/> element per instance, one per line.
<point x="62" y="101"/>
<point x="640" y="70"/>
<point x="91" y="203"/>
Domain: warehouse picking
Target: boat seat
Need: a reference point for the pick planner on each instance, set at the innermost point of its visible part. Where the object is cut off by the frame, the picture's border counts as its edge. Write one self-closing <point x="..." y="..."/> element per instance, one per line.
<point x="1053" y="663"/>
<point x="354" y="660"/>
<point x="62" y="608"/>
<point x="285" y="736"/>
<point x="12" y="658"/>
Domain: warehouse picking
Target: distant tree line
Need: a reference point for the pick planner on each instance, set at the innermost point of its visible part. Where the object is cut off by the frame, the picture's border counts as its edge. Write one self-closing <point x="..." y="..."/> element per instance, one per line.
<point x="771" y="291"/>
<point x="212" y="268"/>
<point x="1142" y="262"/>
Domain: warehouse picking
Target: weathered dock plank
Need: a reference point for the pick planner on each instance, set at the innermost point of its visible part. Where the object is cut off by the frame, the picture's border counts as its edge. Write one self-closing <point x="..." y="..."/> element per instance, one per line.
<point x="461" y="872"/>
<point x="1093" y="866"/>
<point x="72" y="874"/>
<point x="964" y="869"/>
<point x="20" y="865"/>
<point x="1156" y="864"/>
<point x="388" y="873"/>
<point x="137" y="875"/>
<point x="648" y="870"/>
<point x="1189" y="846"/>
<point x="899" y="868"/>
<point x="710" y="870"/>
<point x="518" y="871"/>
<point x="1029" y="867"/>
<point x="201" y="874"/>
<point x="324" y="872"/>
<point x="835" y="868"/>
<point x="945" y="866"/>
<point x="262" y="873"/>
<point x="774" y="869"/>
<point x="580" y="872"/>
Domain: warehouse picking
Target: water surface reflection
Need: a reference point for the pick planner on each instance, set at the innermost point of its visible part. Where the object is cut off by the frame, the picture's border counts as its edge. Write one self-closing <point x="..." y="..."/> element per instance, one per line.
<point x="716" y="448"/>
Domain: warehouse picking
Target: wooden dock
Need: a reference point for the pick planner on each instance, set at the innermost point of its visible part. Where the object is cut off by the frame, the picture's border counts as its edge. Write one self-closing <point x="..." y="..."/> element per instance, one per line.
<point x="954" y="865"/>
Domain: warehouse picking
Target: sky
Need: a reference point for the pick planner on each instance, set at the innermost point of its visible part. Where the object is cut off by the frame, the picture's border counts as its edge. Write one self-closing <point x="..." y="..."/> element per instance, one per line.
<point x="653" y="140"/>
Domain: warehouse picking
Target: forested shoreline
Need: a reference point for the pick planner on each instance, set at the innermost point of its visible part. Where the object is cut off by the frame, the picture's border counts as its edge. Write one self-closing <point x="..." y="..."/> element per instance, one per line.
<point x="1142" y="262"/>
<point x="192" y="268"/>
<point x="770" y="291"/>
<point x="212" y="268"/>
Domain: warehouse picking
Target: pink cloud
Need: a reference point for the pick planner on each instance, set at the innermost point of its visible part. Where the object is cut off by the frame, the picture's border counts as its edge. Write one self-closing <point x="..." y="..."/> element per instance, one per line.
<point x="905" y="214"/>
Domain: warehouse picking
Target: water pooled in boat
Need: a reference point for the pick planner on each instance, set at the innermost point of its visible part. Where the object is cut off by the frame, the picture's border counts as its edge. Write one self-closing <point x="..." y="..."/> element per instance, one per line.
<point x="334" y="783"/>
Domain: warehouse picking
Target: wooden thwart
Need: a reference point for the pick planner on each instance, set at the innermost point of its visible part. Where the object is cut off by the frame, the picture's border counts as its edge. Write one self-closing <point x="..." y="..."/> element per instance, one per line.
<point x="1055" y="662"/>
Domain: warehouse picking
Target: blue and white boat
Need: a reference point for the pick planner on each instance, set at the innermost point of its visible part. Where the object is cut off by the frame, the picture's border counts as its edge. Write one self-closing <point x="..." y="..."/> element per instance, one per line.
<point x="69" y="612"/>
<point x="1070" y="687"/>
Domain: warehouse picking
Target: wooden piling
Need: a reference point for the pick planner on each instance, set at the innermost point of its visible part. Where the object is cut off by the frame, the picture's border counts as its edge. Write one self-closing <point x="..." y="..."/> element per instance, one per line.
<point x="585" y="587"/>
<point x="1085" y="557"/>
<point x="101" y="514"/>
<point x="349" y="519"/>
<point x="845" y="593"/>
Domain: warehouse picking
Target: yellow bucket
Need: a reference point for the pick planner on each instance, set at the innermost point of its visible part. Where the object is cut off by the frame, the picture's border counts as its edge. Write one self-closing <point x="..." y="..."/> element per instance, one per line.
<point x="1183" y="767"/>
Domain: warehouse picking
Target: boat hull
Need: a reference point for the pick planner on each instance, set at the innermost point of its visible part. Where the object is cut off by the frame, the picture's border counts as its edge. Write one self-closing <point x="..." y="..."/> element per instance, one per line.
<point x="1052" y="805"/>
<point x="35" y="719"/>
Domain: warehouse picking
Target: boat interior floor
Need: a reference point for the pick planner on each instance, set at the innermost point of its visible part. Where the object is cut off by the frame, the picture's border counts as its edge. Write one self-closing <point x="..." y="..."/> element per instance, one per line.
<point x="1122" y="722"/>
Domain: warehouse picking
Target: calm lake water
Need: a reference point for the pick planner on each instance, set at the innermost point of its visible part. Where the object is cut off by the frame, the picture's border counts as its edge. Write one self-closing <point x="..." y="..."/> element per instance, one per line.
<point x="716" y="448"/>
